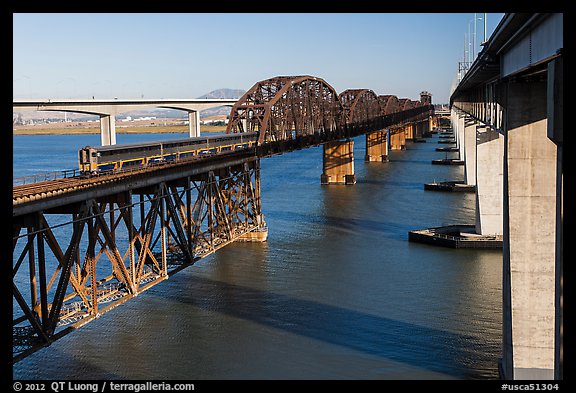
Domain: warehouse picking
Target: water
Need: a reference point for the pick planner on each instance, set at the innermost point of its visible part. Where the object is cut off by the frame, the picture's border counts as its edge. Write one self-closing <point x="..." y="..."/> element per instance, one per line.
<point x="337" y="291"/>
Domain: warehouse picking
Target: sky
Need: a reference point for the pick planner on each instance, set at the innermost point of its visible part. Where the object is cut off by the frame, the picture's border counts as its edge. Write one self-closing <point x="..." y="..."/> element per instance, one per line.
<point x="186" y="55"/>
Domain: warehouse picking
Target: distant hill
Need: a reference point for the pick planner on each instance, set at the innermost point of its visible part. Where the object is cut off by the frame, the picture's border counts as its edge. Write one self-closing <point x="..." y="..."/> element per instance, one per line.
<point x="224" y="93"/>
<point x="220" y="93"/>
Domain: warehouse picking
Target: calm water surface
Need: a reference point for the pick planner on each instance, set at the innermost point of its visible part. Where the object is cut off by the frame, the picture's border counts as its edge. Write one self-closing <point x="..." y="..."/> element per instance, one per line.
<point x="337" y="291"/>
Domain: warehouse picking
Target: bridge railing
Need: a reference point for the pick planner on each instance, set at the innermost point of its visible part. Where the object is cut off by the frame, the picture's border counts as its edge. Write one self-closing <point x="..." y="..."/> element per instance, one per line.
<point x="41" y="177"/>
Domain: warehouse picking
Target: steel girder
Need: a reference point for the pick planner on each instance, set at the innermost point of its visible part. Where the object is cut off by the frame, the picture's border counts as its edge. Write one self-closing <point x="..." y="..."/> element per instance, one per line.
<point x="287" y="107"/>
<point x="67" y="273"/>
<point x="388" y="103"/>
<point x="360" y="106"/>
<point x="404" y="104"/>
<point x="292" y="112"/>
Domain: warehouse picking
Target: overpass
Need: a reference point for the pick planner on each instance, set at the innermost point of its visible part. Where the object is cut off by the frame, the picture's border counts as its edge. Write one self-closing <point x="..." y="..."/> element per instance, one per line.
<point x="109" y="109"/>
<point x="507" y="114"/>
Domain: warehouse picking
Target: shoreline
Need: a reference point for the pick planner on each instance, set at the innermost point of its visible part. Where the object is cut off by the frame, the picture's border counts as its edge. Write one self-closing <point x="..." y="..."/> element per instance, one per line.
<point x="119" y="130"/>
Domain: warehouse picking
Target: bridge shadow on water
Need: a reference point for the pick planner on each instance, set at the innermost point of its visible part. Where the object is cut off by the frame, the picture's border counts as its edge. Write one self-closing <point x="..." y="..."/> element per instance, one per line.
<point x="407" y="185"/>
<point x="388" y="229"/>
<point x="448" y="353"/>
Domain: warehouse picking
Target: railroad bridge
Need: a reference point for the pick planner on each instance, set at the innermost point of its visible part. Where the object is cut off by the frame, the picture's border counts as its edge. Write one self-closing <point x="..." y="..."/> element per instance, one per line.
<point x="84" y="245"/>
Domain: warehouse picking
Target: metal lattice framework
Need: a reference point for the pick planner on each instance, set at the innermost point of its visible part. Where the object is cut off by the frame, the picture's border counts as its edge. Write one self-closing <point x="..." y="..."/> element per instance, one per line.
<point x="388" y="103"/>
<point x="361" y="106"/>
<point x="117" y="246"/>
<point x="287" y="107"/>
<point x="291" y="112"/>
<point x="404" y="104"/>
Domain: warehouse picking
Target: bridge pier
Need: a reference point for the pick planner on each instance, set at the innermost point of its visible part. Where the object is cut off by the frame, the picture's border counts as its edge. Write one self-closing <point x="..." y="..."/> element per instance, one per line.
<point x="532" y="219"/>
<point x="194" y="123"/>
<point x="376" y="147"/>
<point x="418" y="129"/>
<point x="469" y="141"/>
<point x="397" y="139"/>
<point x="338" y="163"/>
<point x="458" y="126"/>
<point x="409" y="131"/>
<point x="433" y="121"/>
<point x="489" y="181"/>
<point x="108" y="130"/>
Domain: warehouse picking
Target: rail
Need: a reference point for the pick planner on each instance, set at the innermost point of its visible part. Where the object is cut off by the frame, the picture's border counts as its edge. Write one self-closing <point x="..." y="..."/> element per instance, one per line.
<point x="77" y="173"/>
<point x="46" y="176"/>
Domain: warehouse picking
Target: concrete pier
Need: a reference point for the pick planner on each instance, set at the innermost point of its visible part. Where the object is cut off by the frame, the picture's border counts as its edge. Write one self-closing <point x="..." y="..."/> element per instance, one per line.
<point x="257" y="235"/>
<point x="338" y="163"/>
<point x="409" y="132"/>
<point x="459" y="133"/>
<point x="108" y="130"/>
<point x="530" y="206"/>
<point x="470" y="150"/>
<point x="397" y="139"/>
<point x="376" y="147"/>
<point x="489" y="178"/>
<point x="194" y="123"/>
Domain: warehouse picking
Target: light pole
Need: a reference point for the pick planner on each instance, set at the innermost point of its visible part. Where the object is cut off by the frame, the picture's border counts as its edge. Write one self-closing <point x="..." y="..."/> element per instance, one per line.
<point x="469" y="54"/>
<point x="474" y="45"/>
<point x="485" y="22"/>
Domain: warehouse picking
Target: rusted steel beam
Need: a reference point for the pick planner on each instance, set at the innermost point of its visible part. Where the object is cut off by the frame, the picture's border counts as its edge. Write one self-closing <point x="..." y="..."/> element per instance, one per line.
<point x="287" y="107"/>
<point x="220" y="208"/>
<point x="361" y="106"/>
<point x="388" y="103"/>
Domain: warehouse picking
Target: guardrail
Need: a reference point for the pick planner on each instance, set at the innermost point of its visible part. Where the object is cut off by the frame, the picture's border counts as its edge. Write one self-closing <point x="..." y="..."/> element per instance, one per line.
<point x="46" y="176"/>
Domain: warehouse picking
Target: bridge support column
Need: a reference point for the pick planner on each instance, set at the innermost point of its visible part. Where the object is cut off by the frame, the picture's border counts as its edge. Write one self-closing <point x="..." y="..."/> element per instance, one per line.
<point x="397" y="139"/>
<point x="194" y="123"/>
<point x="394" y="139"/>
<point x="489" y="181"/>
<point x="470" y="151"/>
<point x="107" y="130"/>
<point x="430" y="125"/>
<point x="409" y="131"/>
<point x="376" y="147"/>
<point x="418" y="130"/>
<point x="459" y="134"/>
<point x="338" y="163"/>
<point x="531" y="202"/>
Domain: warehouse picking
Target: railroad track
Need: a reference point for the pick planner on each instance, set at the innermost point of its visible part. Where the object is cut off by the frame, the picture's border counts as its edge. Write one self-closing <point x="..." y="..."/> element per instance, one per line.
<point x="22" y="194"/>
<point x="31" y="192"/>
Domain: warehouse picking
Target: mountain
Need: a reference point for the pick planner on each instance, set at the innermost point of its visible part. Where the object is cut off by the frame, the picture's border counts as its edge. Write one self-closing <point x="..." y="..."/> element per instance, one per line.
<point x="224" y="93"/>
<point x="220" y="93"/>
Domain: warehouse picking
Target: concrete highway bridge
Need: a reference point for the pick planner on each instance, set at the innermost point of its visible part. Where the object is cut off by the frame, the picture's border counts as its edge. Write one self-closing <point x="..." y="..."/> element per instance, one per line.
<point x="507" y="114"/>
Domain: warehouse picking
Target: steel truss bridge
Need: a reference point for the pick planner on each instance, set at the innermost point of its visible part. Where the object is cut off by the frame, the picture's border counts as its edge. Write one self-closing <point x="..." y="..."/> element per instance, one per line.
<point x="82" y="246"/>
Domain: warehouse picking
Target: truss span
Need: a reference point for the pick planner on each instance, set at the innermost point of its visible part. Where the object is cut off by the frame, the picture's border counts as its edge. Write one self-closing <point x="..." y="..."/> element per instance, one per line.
<point x="360" y="105"/>
<point x="388" y="103"/>
<point x="286" y="108"/>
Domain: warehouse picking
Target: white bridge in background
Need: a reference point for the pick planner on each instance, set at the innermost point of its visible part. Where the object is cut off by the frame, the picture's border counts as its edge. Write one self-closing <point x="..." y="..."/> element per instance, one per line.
<point x="109" y="109"/>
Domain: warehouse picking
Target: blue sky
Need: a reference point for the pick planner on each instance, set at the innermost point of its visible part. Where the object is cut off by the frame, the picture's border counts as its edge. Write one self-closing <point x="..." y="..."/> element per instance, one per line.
<point x="162" y="55"/>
